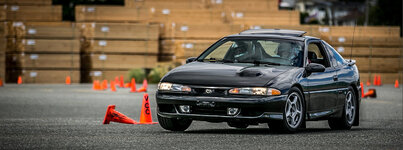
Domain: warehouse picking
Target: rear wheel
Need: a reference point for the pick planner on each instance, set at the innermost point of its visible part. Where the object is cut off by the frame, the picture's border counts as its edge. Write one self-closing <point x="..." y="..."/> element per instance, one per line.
<point x="293" y="114"/>
<point x="239" y="125"/>
<point x="349" y="113"/>
<point x="174" y="124"/>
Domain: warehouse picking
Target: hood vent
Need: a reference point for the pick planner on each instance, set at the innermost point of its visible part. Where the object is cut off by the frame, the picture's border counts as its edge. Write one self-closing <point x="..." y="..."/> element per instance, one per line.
<point x="250" y="73"/>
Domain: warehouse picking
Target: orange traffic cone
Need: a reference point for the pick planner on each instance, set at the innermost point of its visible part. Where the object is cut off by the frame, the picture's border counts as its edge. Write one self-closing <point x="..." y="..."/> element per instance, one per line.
<point x="145" y="117"/>
<point x="121" y="82"/>
<point x="104" y="85"/>
<point x="379" y="80"/>
<point x="68" y="80"/>
<point x="145" y="83"/>
<point x="1" y="82"/>
<point x="128" y="85"/>
<point x="396" y="83"/>
<point x="113" y="87"/>
<point x="362" y="90"/>
<point x="97" y="85"/>
<point x="116" y="80"/>
<point x="370" y="93"/>
<point x="133" y="85"/>
<point x="368" y="83"/>
<point x="375" y="80"/>
<point x="144" y="87"/>
<point x="19" y="80"/>
<point x="115" y="116"/>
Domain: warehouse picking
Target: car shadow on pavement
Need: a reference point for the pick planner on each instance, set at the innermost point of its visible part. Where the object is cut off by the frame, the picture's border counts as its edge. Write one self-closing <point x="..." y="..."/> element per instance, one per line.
<point x="262" y="131"/>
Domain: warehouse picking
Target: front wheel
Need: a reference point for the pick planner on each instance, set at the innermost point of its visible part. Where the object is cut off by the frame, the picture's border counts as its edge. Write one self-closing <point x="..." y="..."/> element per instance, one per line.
<point x="348" y="115"/>
<point x="174" y="124"/>
<point x="293" y="114"/>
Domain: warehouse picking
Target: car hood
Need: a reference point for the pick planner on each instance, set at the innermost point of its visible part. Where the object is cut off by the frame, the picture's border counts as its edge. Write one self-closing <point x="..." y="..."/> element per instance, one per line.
<point x="224" y="74"/>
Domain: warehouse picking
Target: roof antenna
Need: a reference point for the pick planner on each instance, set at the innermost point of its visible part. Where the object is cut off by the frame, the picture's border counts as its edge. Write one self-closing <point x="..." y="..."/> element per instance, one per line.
<point x="352" y="42"/>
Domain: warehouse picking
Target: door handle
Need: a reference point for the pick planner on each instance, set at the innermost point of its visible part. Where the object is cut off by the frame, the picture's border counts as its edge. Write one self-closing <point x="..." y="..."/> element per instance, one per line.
<point x="335" y="78"/>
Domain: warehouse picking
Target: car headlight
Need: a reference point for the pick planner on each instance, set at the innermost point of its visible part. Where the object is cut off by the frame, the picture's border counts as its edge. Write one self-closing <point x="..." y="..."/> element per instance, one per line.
<point x="255" y="91"/>
<point x="165" y="86"/>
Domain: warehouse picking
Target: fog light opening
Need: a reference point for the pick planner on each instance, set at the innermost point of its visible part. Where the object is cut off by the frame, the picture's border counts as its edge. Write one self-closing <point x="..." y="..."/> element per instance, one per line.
<point x="232" y="111"/>
<point x="184" y="108"/>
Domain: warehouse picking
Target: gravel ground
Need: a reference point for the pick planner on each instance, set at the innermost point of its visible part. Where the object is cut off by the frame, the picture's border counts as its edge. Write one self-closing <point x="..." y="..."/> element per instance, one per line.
<point x="70" y="117"/>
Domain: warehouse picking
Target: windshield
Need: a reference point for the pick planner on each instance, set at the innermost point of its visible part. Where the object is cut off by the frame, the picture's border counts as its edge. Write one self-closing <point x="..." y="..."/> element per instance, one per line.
<point x="260" y="51"/>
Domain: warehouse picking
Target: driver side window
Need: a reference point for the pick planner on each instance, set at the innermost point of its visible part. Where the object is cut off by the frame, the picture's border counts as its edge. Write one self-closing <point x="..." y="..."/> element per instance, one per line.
<point x="316" y="54"/>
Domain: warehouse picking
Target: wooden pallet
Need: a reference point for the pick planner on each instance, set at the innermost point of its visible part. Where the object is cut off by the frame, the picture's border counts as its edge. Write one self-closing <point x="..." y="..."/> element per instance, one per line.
<point x="365" y="41"/>
<point x="111" y="14"/>
<point x="201" y="16"/>
<point x="370" y="51"/>
<point x="242" y="5"/>
<point x="117" y="62"/>
<point x="3" y="12"/>
<point x="199" y="31"/>
<point x="120" y="47"/>
<point x="43" y="61"/>
<point x="87" y="76"/>
<point x="2" y="66"/>
<point x="34" y="13"/>
<point x="42" y="76"/>
<point x="26" y="2"/>
<point x="58" y="46"/>
<point x="164" y="4"/>
<point x="119" y="31"/>
<point x="185" y="48"/>
<point x="3" y="45"/>
<point x="43" y="30"/>
<point x="378" y="64"/>
<point x="265" y="17"/>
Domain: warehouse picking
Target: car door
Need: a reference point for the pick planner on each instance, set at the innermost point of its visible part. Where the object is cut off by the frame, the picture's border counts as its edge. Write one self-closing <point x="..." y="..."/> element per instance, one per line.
<point x="322" y="86"/>
<point x="344" y="73"/>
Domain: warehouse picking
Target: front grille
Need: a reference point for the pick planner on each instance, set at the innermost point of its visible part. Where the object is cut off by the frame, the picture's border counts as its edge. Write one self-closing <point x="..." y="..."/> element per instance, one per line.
<point x="207" y="111"/>
<point x="206" y="92"/>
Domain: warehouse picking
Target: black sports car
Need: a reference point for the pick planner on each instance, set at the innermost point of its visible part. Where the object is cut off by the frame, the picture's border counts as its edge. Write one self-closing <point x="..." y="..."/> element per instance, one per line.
<point x="279" y="77"/>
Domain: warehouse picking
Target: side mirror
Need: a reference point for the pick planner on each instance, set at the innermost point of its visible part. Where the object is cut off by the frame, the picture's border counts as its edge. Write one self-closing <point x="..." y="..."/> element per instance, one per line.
<point x="190" y="59"/>
<point x="314" y="67"/>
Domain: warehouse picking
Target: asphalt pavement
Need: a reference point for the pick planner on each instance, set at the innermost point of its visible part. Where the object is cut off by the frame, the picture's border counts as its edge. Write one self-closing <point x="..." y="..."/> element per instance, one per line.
<point x="70" y="117"/>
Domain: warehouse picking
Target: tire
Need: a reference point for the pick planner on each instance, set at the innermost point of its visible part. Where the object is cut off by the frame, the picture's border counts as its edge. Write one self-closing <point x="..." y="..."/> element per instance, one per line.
<point x="174" y="124"/>
<point x="348" y="115"/>
<point x="293" y="113"/>
<point x="238" y="125"/>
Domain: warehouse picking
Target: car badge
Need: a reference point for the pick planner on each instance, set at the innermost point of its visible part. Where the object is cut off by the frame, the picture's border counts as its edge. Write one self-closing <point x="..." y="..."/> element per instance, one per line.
<point x="209" y="91"/>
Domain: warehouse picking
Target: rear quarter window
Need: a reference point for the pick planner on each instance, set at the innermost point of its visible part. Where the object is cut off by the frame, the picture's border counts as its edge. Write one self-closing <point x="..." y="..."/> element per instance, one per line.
<point x="339" y="59"/>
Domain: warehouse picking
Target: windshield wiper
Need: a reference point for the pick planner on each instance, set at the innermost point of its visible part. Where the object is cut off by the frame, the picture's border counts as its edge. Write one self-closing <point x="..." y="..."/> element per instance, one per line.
<point x="211" y="59"/>
<point x="227" y="61"/>
<point x="257" y="63"/>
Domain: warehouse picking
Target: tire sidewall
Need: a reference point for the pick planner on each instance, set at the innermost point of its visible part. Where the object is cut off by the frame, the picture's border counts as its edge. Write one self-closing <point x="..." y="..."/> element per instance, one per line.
<point x="285" y="123"/>
<point x="354" y="99"/>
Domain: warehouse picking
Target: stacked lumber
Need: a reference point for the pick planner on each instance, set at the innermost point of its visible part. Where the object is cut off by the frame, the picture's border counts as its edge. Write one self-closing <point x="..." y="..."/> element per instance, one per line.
<point x="164" y="4"/>
<point x="117" y="47"/>
<point x="33" y="13"/>
<point x="377" y="50"/>
<point x="3" y="47"/>
<point x="181" y="49"/>
<point x="241" y="5"/>
<point x="180" y="41"/>
<point x="26" y="2"/>
<point x="265" y="17"/>
<point x="42" y="52"/>
<point x="111" y="14"/>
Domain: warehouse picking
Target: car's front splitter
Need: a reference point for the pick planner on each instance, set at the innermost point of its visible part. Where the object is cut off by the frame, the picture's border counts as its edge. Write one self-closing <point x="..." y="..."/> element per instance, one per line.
<point x="266" y="108"/>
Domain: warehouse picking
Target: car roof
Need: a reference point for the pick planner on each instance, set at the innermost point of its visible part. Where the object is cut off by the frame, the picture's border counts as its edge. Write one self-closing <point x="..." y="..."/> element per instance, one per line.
<point x="273" y="33"/>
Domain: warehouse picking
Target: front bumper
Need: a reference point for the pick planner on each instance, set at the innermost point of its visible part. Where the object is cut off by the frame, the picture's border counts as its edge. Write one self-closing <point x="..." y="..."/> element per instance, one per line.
<point x="255" y="109"/>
